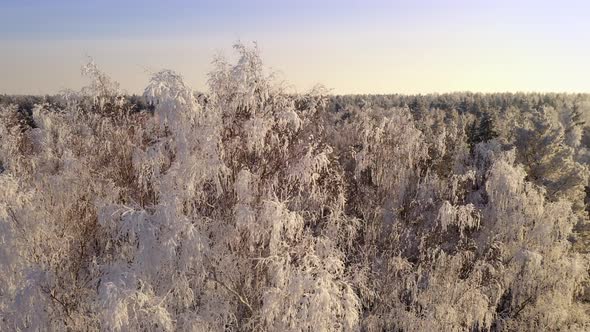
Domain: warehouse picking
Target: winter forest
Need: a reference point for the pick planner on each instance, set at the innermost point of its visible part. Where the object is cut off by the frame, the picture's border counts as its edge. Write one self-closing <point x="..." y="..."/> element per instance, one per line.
<point x="250" y="208"/>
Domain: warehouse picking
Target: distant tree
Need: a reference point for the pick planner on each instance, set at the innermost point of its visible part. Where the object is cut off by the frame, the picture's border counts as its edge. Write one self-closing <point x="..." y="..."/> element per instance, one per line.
<point x="482" y="130"/>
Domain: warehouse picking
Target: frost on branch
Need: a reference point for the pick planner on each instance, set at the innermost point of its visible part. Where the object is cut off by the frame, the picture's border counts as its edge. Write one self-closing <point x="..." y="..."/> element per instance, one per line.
<point x="463" y="216"/>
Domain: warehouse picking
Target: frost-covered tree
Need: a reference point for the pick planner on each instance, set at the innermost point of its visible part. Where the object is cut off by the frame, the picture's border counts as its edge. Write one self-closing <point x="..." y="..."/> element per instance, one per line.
<point x="548" y="149"/>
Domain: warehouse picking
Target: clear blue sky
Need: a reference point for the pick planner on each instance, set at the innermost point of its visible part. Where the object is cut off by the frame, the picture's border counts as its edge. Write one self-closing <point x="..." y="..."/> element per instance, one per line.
<point x="350" y="46"/>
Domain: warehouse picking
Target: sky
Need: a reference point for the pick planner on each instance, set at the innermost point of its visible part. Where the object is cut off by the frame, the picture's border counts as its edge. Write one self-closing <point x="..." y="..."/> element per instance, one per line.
<point x="349" y="46"/>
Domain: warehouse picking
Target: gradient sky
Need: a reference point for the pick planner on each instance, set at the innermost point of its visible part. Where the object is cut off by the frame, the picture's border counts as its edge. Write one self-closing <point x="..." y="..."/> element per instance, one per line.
<point x="350" y="46"/>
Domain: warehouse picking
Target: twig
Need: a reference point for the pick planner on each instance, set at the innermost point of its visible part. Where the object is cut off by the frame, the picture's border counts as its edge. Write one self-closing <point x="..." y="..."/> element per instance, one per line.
<point x="238" y="295"/>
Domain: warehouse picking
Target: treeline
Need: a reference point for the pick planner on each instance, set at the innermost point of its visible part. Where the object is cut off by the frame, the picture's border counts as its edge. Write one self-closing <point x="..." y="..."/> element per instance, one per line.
<point x="26" y="103"/>
<point x="486" y="106"/>
<point x="465" y="102"/>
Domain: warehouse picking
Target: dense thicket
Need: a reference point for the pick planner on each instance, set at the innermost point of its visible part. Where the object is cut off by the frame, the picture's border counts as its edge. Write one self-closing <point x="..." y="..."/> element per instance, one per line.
<point x="248" y="208"/>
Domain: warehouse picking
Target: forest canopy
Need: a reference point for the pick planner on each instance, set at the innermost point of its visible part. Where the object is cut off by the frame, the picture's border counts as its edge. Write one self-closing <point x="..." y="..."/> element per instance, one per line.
<point x="250" y="208"/>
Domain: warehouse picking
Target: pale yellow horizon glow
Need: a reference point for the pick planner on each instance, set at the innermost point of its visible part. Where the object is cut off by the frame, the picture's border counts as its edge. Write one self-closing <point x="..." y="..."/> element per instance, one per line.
<point x="344" y="64"/>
